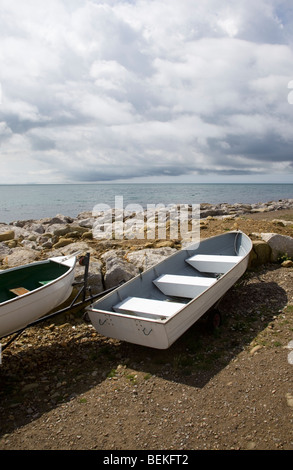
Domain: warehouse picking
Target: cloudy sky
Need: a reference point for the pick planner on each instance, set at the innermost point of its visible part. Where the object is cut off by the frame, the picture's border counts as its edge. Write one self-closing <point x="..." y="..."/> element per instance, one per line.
<point x="146" y="90"/>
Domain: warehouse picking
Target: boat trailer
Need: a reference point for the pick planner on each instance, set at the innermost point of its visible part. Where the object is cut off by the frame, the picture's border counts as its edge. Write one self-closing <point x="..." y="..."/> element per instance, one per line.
<point x="75" y="303"/>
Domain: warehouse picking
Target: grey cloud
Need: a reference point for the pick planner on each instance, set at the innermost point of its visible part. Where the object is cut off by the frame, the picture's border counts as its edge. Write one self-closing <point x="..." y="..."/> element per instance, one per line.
<point x="42" y="144"/>
<point x="121" y="172"/>
<point x="102" y="91"/>
<point x="270" y="148"/>
<point x="267" y="148"/>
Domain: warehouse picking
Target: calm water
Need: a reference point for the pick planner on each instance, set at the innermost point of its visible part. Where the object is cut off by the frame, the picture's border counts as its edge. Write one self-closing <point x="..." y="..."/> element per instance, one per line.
<point x="22" y="202"/>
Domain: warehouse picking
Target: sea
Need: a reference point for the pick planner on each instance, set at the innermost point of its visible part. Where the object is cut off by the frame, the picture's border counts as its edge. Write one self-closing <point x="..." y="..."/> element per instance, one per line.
<point x="24" y="202"/>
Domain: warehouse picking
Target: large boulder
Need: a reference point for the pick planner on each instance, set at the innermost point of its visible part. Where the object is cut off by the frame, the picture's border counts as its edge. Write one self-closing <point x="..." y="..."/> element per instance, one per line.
<point x="117" y="269"/>
<point x="279" y="244"/>
<point x="260" y="253"/>
<point x="20" y="256"/>
<point x="87" y="223"/>
<point x="58" y="229"/>
<point x="7" y="235"/>
<point x="63" y="242"/>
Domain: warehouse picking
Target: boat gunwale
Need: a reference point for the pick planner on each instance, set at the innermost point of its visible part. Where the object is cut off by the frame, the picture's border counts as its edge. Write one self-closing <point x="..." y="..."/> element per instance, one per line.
<point x="38" y="289"/>
<point x="184" y="305"/>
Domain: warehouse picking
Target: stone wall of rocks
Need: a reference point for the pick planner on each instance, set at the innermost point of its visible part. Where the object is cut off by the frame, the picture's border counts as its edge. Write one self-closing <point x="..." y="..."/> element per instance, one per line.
<point x="23" y="242"/>
<point x="223" y="209"/>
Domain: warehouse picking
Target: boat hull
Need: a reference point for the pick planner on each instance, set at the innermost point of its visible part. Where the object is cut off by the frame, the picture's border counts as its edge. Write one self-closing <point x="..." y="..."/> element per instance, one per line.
<point x="17" y="313"/>
<point x="162" y="332"/>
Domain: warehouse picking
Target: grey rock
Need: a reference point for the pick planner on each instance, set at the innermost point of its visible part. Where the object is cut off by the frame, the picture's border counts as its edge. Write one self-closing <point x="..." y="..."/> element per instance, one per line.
<point x="36" y="228"/>
<point x="4" y="250"/>
<point x="280" y="244"/>
<point x="60" y="219"/>
<point x="20" y="256"/>
<point x="261" y="253"/>
<point x="87" y="223"/>
<point x="29" y="244"/>
<point x="58" y="229"/>
<point x="144" y="259"/>
<point x="7" y="235"/>
<point x="117" y="269"/>
<point x="47" y="244"/>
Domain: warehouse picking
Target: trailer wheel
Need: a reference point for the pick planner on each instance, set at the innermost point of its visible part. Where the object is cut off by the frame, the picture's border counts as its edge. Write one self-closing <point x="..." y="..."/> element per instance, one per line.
<point x="214" y="319"/>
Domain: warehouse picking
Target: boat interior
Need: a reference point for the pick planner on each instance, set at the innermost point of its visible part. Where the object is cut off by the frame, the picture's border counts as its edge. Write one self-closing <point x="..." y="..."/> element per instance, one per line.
<point x="162" y="291"/>
<point x="18" y="281"/>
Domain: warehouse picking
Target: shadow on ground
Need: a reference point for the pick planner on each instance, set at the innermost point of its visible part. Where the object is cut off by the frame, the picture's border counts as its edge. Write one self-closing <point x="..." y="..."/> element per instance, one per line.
<point x="37" y="378"/>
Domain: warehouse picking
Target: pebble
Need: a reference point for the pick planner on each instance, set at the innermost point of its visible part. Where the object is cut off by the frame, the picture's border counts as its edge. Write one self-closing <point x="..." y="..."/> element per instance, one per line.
<point x="29" y="387"/>
<point x="255" y="349"/>
<point x="289" y="398"/>
<point x="290" y="357"/>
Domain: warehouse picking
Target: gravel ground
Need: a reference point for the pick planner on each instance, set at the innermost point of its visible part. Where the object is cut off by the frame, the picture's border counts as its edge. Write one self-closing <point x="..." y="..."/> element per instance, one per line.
<point x="64" y="386"/>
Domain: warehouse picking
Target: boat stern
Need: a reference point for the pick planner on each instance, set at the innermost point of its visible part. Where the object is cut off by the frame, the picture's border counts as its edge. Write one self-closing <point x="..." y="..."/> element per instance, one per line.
<point x="129" y="328"/>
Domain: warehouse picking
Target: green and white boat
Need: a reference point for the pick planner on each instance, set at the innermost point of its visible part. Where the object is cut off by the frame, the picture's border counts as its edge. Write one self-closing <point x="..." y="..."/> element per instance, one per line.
<point x="29" y="292"/>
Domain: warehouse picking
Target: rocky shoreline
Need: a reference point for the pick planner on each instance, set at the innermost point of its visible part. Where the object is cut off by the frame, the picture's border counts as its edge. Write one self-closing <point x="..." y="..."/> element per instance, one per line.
<point x="116" y="259"/>
<point x="26" y="241"/>
<point x="238" y="209"/>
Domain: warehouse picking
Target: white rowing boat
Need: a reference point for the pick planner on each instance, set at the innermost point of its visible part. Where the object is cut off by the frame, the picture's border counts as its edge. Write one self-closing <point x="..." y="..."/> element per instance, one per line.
<point x="31" y="291"/>
<point x="156" y="307"/>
